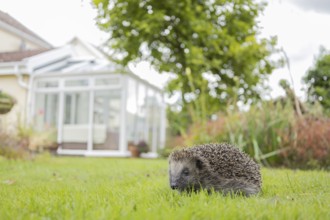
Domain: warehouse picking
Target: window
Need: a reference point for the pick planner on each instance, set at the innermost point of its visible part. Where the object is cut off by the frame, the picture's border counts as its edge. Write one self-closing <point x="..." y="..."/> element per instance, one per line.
<point x="75" y="83"/>
<point x="107" y="81"/>
<point x="46" y="110"/>
<point x="76" y="108"/>
<point x="106" y="128"/>
<point x="47" y="84"/>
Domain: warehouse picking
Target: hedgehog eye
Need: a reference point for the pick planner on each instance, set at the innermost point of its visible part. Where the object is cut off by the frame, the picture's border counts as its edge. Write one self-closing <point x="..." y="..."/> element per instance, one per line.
<point x="185" y="172"/>
<point x="199" y="164"/>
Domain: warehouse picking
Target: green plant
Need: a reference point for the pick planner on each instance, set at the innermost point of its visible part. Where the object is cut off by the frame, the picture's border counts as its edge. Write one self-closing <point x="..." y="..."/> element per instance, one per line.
<point x="312" y="147"/>
<point x="165" y="152"/>
<point x="271" y="133"/>
<point x="317" y="80"/>
<point x="35" y="140"/>
<point x="11" y="147"/>
<point x="7" y="102"/>
<point x="142" y="146"/>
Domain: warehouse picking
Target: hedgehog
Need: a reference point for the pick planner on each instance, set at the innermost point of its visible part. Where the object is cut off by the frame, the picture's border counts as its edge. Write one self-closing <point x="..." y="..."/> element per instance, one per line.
<point x="214" y="167"/>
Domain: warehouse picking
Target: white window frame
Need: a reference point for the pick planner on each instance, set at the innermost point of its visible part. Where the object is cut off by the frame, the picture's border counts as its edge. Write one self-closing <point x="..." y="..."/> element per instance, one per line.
<point x="61" y="90"/>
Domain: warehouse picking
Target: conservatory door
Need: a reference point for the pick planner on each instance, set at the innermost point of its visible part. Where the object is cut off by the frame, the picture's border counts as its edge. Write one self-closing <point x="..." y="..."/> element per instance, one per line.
<point x="75" y="127"/>
<point x="107" y="104"/>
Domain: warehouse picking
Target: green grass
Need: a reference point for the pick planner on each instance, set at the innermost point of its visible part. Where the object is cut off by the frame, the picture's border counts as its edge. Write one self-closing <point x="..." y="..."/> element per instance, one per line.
<point x="107" y="188"/>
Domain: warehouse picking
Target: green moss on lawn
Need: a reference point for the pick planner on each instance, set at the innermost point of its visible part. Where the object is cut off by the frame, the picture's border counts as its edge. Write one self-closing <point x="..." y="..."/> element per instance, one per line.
<point x="108" y="188"/>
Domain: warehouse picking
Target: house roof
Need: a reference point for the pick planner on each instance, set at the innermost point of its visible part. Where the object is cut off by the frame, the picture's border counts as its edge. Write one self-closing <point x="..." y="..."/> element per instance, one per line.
<point x="12" y="22"/>
<point x="19" y="55"/>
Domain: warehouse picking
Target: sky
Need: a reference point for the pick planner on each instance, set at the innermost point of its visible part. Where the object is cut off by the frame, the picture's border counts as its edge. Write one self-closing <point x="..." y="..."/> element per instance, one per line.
<point x="301" y="27"/>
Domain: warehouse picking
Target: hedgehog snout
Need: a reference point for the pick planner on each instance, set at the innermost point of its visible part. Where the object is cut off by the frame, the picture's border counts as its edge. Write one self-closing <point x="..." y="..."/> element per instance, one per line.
<point x="174" y="186"/>
<point x="173" y="183"/>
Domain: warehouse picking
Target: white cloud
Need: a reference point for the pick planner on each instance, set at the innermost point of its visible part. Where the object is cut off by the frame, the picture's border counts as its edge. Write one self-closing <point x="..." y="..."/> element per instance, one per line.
<point x="322" y="6"/>
<point x="300" y="33"/>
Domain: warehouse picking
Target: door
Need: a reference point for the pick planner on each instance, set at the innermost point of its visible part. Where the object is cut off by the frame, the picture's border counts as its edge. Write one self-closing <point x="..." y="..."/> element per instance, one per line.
<point x="75" y="126"/>
<point x="106" y="125"/>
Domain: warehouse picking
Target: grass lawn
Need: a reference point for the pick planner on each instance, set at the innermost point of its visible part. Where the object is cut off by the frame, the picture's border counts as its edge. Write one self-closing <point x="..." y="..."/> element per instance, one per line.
<point x="108" y="188"/>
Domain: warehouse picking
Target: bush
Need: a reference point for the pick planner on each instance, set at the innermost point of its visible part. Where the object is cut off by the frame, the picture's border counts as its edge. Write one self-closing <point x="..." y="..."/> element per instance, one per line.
<point x="271" y="133"/>
<point x="11" y="148"/>
<point x="312" y="147"/>
<point x="36" y="141"/>
<point x="26" y="140"/>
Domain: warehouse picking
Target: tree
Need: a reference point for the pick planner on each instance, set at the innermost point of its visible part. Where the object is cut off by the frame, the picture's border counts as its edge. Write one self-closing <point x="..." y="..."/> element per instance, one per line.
<point x="297" y="105"/>
<point x="318" y="80"/>
<point x="211" y="46"/>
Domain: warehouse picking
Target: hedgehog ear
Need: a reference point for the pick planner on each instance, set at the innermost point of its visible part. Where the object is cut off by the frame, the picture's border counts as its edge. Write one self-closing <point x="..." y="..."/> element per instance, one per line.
<point x="199" y="164"/>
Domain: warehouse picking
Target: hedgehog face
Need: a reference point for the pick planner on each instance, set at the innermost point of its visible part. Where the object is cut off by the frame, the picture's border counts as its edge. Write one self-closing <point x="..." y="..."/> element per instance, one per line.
<point x="184" y="174"/>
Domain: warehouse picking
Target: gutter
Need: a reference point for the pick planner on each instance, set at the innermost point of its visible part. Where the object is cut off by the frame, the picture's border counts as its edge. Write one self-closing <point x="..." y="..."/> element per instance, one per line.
<point x="19" y="76"/>
<point x="28" y="87"/>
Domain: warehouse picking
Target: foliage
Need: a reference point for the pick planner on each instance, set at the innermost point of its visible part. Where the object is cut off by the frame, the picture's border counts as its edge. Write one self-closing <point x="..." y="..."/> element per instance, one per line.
<point x="84" y="188"/>
<point x="34" y="140"/>
<point x="318" y="80"/>
<point x="11" y="147"/>
<point x="212" y="47"/>
<point x="142" y="146"/>
<point x="179" y="121"/>
<point x="271" y="133"/>
<point x="262" y="132"/>
<point x="6" y="103"/>
<point x="312" y="142"/>
<point x="26" y="140"/>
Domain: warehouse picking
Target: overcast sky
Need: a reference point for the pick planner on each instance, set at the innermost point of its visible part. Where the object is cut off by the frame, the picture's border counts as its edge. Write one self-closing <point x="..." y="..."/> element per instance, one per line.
<point x="300" y="25"/>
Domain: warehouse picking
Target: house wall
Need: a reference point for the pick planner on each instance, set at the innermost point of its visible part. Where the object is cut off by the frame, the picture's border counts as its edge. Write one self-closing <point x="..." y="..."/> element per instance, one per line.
<point x="9" y="84"/>
<point x="10" y="42"/>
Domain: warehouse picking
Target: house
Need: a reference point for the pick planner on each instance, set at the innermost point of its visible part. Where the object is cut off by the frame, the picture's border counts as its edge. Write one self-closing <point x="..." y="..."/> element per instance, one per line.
<point x="96" y="107"/>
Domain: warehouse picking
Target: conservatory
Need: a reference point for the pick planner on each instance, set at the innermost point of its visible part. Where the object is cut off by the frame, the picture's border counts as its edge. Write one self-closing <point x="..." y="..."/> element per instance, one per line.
<point x="98" y="113"/>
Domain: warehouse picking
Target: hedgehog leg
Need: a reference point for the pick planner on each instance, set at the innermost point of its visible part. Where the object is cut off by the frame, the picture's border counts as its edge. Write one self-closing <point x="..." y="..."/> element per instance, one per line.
<point x="238" y="186"/>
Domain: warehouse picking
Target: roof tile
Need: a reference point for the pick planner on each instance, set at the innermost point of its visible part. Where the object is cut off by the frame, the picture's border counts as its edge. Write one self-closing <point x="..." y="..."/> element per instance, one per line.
<point x="19" y="55"/>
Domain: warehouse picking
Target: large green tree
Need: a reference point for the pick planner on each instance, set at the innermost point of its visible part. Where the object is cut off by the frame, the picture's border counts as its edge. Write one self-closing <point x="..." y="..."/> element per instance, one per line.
<point x="210" y="45"/>
<point x="318" y="80"/>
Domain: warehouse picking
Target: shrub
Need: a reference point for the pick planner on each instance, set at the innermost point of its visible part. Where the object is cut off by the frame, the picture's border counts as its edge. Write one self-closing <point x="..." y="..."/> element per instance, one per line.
<point x="36" y="141"/>
<point x="271" y="133"/>
<point x="312" y="147"/>
<point x="11" y="147"/>
<point x="26" y="140"/>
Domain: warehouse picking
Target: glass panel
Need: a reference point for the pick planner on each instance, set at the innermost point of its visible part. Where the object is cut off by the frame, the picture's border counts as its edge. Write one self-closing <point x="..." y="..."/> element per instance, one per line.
<point x="154" y="116"/>
<point x="107" y="81"/>
<point x="131" y="111"/>
<point x="74" y="83"/>
<point x="47" y="84"/>
<point x="75" y="127"/>
<point x="151" y="118"/>
<point x="46" y="111"/>
<point x="106" y="126"/>
<point x="141" y="123"/>
<point x="157" y="128"/>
